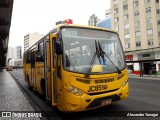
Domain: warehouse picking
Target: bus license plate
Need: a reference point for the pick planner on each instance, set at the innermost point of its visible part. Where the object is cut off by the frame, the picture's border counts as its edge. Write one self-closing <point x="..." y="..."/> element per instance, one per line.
<point x="106" y="102"/>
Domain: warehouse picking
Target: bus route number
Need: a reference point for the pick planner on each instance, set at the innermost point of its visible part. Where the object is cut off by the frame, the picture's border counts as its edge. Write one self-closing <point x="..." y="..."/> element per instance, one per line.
<point x="97" y="88"/>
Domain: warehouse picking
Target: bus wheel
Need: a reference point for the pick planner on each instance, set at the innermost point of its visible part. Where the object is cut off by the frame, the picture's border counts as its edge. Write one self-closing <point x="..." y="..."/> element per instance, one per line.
<point x="29" y="86"/>
<point x="43" y="89"/>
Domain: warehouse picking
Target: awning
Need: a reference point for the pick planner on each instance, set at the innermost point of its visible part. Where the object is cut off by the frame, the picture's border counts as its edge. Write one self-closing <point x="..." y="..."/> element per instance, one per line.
<point x="142" y="51"/>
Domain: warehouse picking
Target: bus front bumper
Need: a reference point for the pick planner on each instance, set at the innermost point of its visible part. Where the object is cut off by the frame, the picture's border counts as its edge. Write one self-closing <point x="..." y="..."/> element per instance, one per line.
<point x="73" y="103"/>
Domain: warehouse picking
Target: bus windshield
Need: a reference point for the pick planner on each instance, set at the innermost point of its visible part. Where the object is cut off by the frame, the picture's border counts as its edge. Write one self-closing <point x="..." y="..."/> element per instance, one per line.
<point x="79" y="48"/>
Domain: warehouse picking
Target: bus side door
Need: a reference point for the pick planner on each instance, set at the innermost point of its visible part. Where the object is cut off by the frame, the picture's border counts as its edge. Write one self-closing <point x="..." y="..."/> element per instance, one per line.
<point x="53" y="69"/>
<point x="48" y="79"/>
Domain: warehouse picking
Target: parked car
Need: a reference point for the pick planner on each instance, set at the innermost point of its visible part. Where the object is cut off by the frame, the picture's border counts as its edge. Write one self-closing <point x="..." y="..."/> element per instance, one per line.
<point x="9" y="68"/>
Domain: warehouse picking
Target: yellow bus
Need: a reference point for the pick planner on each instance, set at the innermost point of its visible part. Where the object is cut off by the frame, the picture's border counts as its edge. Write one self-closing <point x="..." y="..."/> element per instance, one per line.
<point x="77" y="68"/>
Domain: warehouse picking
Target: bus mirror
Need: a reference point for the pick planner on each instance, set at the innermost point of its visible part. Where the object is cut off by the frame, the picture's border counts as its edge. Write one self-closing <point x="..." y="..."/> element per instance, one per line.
<point x="58" y="47"/>
<point x="60" y="35"/>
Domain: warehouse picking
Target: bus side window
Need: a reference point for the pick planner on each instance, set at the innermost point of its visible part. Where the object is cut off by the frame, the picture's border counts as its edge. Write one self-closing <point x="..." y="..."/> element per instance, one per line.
<point x="33" y="58"/>
<point x="40" y="53"/>
<point x="28" y="57"/>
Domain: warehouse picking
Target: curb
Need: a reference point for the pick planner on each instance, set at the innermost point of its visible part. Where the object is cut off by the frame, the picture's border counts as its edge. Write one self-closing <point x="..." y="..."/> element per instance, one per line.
<point x="153" y="78"/>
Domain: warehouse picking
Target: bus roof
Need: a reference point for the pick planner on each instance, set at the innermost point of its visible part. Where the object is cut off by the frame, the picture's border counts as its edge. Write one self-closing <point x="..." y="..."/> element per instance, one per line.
<point x="82" y="26"/>
<point x="71" y="25"/>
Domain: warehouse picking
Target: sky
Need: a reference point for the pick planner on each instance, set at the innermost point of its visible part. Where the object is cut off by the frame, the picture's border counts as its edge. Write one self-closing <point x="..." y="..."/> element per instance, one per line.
<point x="30" y="16"/>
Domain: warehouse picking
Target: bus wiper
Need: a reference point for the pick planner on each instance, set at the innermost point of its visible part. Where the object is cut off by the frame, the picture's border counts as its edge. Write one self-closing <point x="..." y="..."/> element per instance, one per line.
<point x="102" y="54"/>
<point x="93" y="59"/>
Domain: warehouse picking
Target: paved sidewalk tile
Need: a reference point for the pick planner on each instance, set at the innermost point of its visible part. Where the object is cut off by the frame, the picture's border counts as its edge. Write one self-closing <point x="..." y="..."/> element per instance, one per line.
<point x="11" y="97"/>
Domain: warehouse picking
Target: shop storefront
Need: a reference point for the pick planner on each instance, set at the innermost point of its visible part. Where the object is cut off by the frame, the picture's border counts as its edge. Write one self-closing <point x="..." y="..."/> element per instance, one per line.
<point x="143" y="62"/>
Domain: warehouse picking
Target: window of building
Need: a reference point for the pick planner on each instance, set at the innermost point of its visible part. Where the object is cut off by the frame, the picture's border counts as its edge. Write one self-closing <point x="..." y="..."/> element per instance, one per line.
<point x="149" y="20"/>
<point x="147" y="1"/>
<point x="148" y="10"/>
<point x="136" y="13"/>
<point x="157" y="1"/>
<point x="125" y="7"/>
<point x="136" y="23"/>
<point x="127" y="45"/>
<point x="126" y="16"/>
<point x="158" y="11"/>
<point x="127" y="35"/>
<point x="116" y="19"/>
<point x="145" y="55"/>
<point x="116" y="10"/>
<point x="138" y="43"/>
<point x="149" y="31"/>
<point x="136" y="3"/>
<point x="115" y="1"/>
<point x="150" y="42"/>
<point x="116" y="28"/>
<point x="138" y="33"/>
<point x="126" y="26"/>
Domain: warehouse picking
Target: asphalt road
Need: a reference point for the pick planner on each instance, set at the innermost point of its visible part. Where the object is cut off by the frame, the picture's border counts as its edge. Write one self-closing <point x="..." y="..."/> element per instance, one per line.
<point x="144" y="97"/>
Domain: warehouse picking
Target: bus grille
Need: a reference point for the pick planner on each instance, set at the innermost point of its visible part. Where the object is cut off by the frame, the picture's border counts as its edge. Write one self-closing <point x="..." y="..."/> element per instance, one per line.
<point x="103" y="92"/>
<point x="104" y="80"/>
<point x="96" y="81"/>
<point x="83" y="81"/>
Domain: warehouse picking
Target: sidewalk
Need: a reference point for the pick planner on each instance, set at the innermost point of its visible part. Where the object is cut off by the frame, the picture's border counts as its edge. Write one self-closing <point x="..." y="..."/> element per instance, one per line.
<point x="143" y="77"/>
<point x="11" y="97"/>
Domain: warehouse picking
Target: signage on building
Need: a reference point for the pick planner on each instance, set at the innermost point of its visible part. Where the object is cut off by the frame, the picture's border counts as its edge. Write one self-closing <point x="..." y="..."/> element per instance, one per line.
<point x="129" y="57"/>
<point x="146" y="56"/>
<point x="68" y="21"/>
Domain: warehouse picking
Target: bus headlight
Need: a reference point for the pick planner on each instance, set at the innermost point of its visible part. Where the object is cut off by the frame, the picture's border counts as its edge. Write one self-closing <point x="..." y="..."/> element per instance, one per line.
<point x="71" y="88"/>
<point x="124" y="84"/>
<point x="75" y="91"/>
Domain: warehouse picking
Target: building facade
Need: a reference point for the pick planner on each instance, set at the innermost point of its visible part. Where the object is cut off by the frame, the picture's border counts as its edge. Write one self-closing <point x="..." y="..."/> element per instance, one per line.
<point x="138" y="25"/>
<point x="30" y="39"/>
<point x="14" y="54"/>
<point x="108" y="13"/>
<point x="19" y="52"/>
<point x="93" y="19"/>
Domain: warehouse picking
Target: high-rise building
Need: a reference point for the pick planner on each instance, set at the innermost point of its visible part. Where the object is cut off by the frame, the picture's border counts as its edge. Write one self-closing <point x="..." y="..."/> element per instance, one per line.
<point x="30" y="39"/>
<point x="108" y="13"/>
<point x="138" y="25"/>
<point x="13" y="54"/>
<point x="19" y="52"/>
<point x="93" y="20"/>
